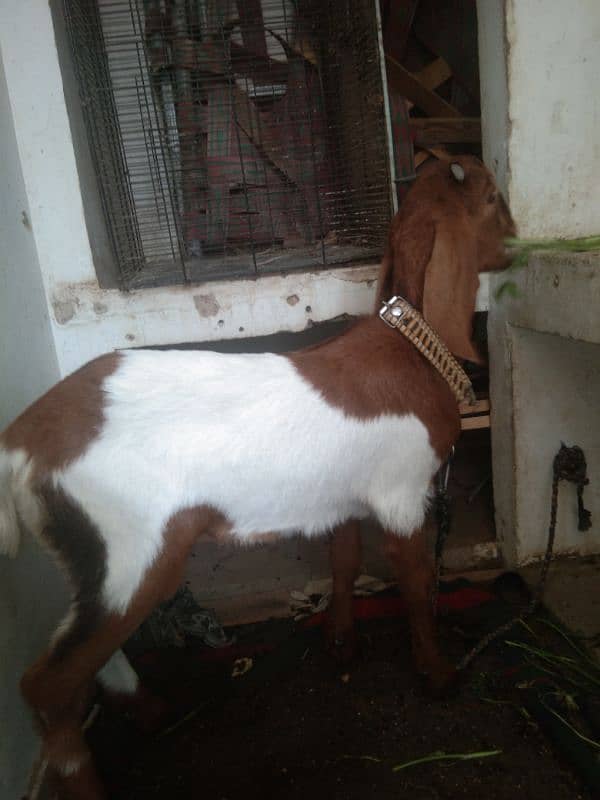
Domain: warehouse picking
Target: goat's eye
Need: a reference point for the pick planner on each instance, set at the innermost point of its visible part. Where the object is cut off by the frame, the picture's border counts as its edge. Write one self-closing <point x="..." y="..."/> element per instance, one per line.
<point x="492" y="198"/>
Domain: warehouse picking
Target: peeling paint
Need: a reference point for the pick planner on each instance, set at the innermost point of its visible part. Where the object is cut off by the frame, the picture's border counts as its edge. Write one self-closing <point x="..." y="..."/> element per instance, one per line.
<point x="64" y="310"/>
<point x="25" y="220"/>
<point x="206" y="305"/>
<point x="292" y="300"/>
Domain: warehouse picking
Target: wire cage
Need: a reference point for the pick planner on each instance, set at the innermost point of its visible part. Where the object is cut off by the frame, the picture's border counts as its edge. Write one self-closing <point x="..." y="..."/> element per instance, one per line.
<point x="234" y="138"/>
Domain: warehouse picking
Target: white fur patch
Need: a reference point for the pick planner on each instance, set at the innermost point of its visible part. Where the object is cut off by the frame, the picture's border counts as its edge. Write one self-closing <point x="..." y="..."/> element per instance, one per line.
<point x="247" y="435"/>
<point x="118" y="675"/>
<point x="70" y="766"/>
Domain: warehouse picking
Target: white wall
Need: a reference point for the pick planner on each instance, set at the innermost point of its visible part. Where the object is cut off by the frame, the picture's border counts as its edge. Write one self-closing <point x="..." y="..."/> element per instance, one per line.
<point x="491" y="40"/>
<point x="24" y="320"/>
<point x="539" y="65"/>
<point x="28" y="367"/>
<point x="545" y="382"/>
<point x="545" y="144"/>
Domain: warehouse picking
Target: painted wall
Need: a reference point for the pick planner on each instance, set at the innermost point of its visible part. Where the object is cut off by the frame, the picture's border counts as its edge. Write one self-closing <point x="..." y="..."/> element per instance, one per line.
<point x="545" y="383"/>
<point x="554" y="113"/>
<point x="491" y="40"/>
<point x="24" y="317"/>
<point x="28" y="366"/>
<point x="539" y="65"/>
<point x="543" y="57"/>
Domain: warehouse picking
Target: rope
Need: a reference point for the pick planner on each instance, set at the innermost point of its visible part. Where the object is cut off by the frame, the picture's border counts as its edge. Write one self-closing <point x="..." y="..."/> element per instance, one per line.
<point x="569" y="465"/>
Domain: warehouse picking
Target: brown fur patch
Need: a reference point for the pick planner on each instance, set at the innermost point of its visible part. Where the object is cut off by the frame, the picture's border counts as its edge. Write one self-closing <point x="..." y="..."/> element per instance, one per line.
<point x="371" y="369"/>
<point x="49" y="684"/>
<point x="74" y="538"/>
<point x="58" y="427"/>
<point x="57" y="690"/>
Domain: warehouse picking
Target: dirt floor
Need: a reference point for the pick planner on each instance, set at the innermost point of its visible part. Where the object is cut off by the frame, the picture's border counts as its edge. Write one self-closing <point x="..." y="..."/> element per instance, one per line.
<point x="295" y="726"/>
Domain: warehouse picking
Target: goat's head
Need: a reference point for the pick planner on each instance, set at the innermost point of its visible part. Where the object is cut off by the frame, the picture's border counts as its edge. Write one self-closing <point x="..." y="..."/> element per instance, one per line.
<point x="451" y="226"/>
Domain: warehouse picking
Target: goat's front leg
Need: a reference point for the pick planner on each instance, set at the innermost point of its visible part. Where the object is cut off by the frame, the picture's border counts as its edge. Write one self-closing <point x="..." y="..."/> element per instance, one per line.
<point x="412" y="561"/>
<point x="345" y="558"/>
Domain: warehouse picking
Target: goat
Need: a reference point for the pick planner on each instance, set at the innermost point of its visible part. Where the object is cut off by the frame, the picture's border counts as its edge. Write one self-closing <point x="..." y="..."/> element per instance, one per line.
<point x="124" y="464"/>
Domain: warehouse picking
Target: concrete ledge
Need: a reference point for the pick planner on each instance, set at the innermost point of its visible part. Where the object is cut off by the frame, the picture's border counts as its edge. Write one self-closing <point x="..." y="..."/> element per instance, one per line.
<point x="544" y="388"/>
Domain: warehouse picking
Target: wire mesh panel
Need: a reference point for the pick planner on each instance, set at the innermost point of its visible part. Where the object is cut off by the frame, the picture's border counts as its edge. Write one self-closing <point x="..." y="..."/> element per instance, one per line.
<point x="234" y="138"/>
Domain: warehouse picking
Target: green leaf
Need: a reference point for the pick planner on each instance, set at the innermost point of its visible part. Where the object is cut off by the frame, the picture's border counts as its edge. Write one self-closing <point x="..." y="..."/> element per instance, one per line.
<point x="508" y="287"/>
<point x="441" y="756"/>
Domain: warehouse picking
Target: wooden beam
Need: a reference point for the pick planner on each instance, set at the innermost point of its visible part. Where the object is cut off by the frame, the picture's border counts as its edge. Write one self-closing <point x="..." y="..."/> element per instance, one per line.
<point x="478" y="407"/>
<point x="406" y="84"/>
<point x="434" y="74"/>
<point x="431" y="152"/>
<point x="432" y="131"/>
<point x="472" y="423"/>
<point x="397" y="22"/>
<point x="475" y="416"/>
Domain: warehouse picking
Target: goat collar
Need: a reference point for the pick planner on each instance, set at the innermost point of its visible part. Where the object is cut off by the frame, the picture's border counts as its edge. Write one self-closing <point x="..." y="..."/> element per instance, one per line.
<point x="398" y="313"/>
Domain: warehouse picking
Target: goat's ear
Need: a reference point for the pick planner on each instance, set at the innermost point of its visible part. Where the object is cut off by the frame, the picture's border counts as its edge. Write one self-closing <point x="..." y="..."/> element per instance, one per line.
<point x="450" y="288"/>
<point x="385" y="277"/>
<point x="402" y="267"/>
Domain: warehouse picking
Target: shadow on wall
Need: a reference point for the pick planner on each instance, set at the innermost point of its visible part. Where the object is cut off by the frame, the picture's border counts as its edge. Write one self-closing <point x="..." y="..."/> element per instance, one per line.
<point x="283" y="342"/>
<point x="33" y="599"/>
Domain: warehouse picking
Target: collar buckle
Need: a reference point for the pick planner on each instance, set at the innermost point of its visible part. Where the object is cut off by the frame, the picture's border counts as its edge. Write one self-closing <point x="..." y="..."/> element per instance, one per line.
<point x="389" y="308"/>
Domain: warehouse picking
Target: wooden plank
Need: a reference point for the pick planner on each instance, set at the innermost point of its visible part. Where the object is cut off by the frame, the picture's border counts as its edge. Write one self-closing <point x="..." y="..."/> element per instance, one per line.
<point x="397" y="22"/>
<point x="220" y="145"/>
<point x="449" y="29"/>
<point x="430" y="152"/>
<point x="406" y="84"/>
<point x="432" y="131"/>
<point x="434" y="74"/>
<point x="265" y="139"/>
<point x="476" y="408"/>
<point x="474" y="423"/>
<point x="254" y="39"/>
<point x="244" y="62"/>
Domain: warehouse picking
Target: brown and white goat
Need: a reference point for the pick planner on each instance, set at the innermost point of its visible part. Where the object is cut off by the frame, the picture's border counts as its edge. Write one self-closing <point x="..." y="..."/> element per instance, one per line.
<point x="124" y="464"/>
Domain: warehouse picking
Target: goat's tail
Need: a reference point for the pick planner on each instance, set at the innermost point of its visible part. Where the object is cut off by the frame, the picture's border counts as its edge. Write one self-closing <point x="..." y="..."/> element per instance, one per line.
<point x="10" y="533"/>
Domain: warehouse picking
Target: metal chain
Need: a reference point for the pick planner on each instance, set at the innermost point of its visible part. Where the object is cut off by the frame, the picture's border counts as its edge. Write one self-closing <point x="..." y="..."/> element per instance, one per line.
<point x="569" y="465"/>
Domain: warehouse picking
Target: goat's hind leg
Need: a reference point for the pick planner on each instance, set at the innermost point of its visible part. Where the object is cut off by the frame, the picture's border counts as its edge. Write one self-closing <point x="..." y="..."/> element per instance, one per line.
<point x="57" y="686"/>
<point x="123" y="692"/>
<point x="345" y="559"/>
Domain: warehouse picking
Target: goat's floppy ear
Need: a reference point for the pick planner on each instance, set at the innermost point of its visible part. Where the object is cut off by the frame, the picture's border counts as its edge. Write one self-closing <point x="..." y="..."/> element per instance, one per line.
<point x="402" y="268"/>
<point x="385" y="277"/>
<point x="450" y="288"/>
